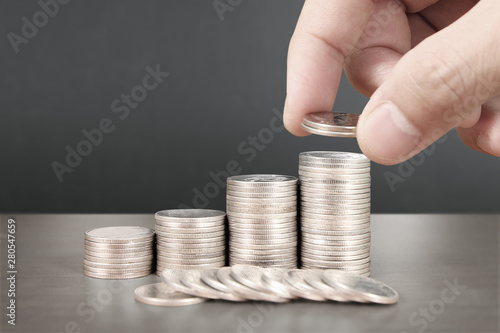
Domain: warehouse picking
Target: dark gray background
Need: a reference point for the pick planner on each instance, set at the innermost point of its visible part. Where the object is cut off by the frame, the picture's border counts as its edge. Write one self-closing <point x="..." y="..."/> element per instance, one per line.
<point x="225" y="79"/>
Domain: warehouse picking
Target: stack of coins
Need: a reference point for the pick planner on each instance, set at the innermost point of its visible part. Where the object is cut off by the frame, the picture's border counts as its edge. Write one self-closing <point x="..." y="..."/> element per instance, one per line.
<point x="335" y="211"/>
<point x="190" y="238"/>
<point x="262" y="215"/>
<point x="119" y="252"/>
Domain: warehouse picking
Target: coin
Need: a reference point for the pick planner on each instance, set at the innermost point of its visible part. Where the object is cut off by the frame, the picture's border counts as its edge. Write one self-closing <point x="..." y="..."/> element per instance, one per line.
<point x="295" y="279"/>
<point x="224" y="275"/>
<point x="273" y="279"/>
<point x="189" y="230"/>
<point x="188" y="215"/>
<point x="120" y="234"/>
<point x="333" y="157"/>
<point x="314" y="278"/>
<point x="162" y="295"/>
<point x="262" y="180"/>
<point x="140" y="265"/>
<point x="262" y="195"/>
<point x="247" y="200"/>
<point x="113" y="276"/>
<point x="192" y="279"/>
<point x="247" y="275"/>
<point x="363" y="288"/>
<point x="209" y="276"/>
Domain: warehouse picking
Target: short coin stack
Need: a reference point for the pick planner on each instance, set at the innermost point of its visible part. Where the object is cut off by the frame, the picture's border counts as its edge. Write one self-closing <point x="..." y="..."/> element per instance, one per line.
<point x="119" y="252"/>
<point x="335" y="211"/>
<point x="262" y="215"/>
<point x="190" y="238"/>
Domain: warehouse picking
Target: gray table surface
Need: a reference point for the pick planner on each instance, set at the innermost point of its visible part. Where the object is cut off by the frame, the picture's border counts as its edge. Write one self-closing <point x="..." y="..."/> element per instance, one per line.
<point x="421" y="256"/>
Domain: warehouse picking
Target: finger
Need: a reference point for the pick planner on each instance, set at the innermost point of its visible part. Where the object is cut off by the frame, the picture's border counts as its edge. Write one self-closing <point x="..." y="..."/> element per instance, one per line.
<point x="385" y="39"/>
<point x="485" y="135"/>
<point x="326" y="32"/>
<point x="420" y="29"/>
<point x="445" y="12"/>
<point x="434" y="87"/>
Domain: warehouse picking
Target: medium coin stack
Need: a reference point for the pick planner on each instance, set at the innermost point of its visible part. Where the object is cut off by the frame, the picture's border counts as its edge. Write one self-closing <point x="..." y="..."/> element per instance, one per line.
<point x="262" y="215"/>
<point x="335" y="211"/>
<point x="119" y="252"/>
<point x="190" y="238"/>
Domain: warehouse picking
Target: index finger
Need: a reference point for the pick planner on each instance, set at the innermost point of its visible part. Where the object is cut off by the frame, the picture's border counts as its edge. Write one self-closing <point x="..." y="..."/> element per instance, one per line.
<point x="326" y="33"/>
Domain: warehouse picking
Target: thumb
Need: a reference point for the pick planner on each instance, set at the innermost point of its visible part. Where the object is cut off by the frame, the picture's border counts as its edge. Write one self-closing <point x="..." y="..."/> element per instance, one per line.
<point x="434" y="87"/>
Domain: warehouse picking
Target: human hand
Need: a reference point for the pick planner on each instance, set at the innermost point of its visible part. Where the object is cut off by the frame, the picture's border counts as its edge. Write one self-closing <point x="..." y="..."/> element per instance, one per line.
<point x="428" y="65"/>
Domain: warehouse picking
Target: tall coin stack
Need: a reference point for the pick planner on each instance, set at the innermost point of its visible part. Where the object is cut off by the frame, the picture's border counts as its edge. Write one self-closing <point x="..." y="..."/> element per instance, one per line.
<point x="118" y="252"/>
<point x="262" y="215"/>
<point x="190" y="239"/>
<point x="335" y="211"/>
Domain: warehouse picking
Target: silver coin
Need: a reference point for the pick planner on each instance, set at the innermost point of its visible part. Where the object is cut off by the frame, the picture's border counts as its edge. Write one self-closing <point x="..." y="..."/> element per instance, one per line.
<point x="334" y="242"/>
<point x="250" y="221"/>
<point x="205" y="244"/>
<point x="328" y="255"/>
<point x="327" y="169"/>
<point x="315" y="244"/>
<point x="336" y="206"/>
<point x="263" y="263"/>
<point x="117" y="255"/>
<point x="320" y="226"/>
<point x="362" y="238"/>
<point x="340" y="134"/>
<point x="262" y="195"/>
<point x="192" y="279"/>
<point x="355" y="178"/>
<point x="295" y="279"/>
<point x="277" y="252"/>
<point x="335" y="211"/>
<point x="165" y="240"/>
<point x="193" y="261"/>
<point x="131" y="250"/>
<point x="204" y="235"/>
<point x="336" y="201"/>
<point x="190" y="252"/>
<point x="161" y="266"/>
<point x="224" y="276"/>
<point x="351" y="233"/>
<point x="314" y="278"/>
<point x="256" y="215"/>
<point x="269" y="236"/>
<point x="160" y="294"/>
<point x="209" y="276"/>
<point x="128" y="260"/>
<point x="274" y="259"/>
<point x="117" y="270"/>
<point x="263" y="210"/>
<point x="333" y="157"/>
<point x="120" y="234"/>
<point x="247" y="275"/>
<point x="130" y="245"/>
<point x="190" y="215"/>
<point x="262" y="231"/>
<point x="290" y="189"/>
<point x="365" y="288"/>
<point x="307" y="250"/>
<point x="189" y="230"/>
<point x="261" y="206"/>
<point x="249" y="246"/>
<point x="172" y="277"/>
<point x="327" y="191"/>
<point x="264" y="241"/>
<point x="332" y="121"/>
<point x="191" y="224"/>
<point x="273" y="279"/>
<point x="354" y="183"/>
<point x="336" y="219"/>
<point x="136" y="265"/>
<point x="235" y="199"/>
<point x="336" y="264"/>
<point x="115" y="276"/>
<point x="197" y="256"/>
<point x="262" y="180"/>
<point x="334" y="166"/>
<point x="364" y="272"/>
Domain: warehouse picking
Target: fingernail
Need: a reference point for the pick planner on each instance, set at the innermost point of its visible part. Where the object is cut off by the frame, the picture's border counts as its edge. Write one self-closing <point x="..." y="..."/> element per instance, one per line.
<point x="388" y="135"/>
<point x="490" y="146"/>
